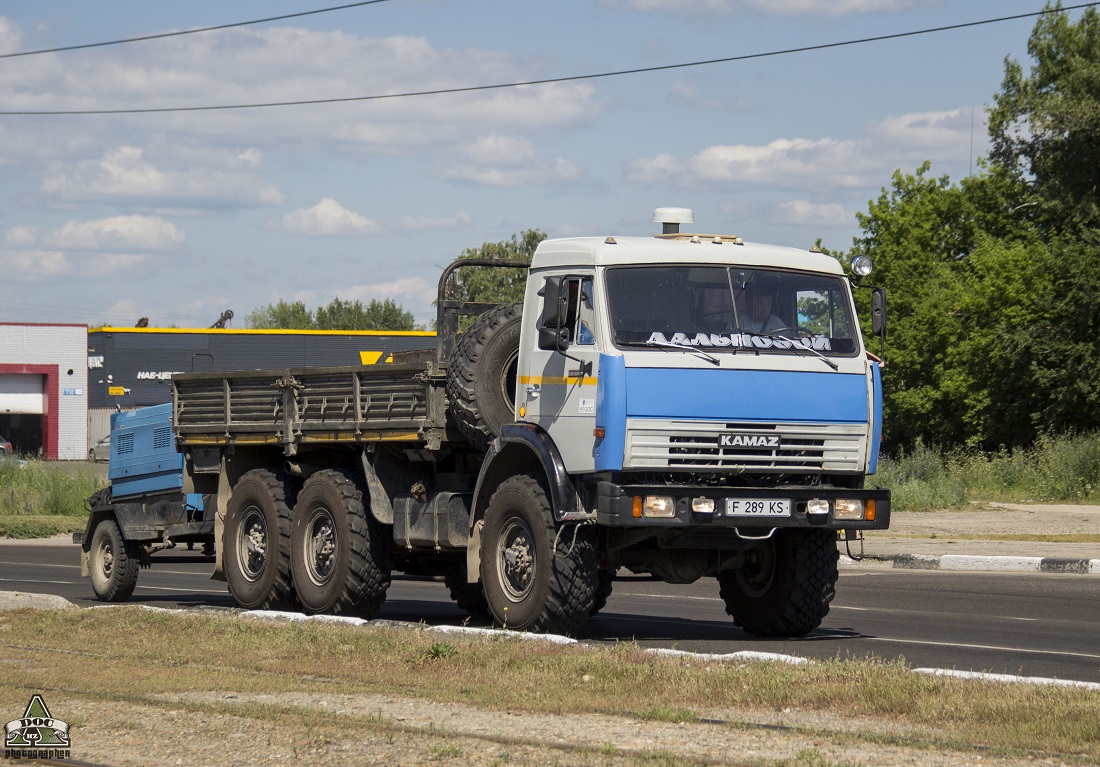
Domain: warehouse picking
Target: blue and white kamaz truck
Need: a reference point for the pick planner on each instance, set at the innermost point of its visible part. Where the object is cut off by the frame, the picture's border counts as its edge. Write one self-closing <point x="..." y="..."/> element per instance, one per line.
<point x="686" y="405"/>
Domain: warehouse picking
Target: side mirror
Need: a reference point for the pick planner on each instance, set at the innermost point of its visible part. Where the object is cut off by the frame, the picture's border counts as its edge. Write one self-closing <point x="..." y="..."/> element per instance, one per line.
<point x="878" y="312"/>
<point x="554" y="332"/>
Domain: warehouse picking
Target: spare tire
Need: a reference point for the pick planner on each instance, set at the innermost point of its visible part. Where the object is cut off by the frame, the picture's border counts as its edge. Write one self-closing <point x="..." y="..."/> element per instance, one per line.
<point x="482" y="374"/>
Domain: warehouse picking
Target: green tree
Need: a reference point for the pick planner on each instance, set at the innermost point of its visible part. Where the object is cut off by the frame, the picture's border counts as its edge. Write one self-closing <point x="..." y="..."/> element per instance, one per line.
<point x="280" y="316"/>
<point x="495" y="285"/>
<point x="1045" y="125"/>
<point x="995" y="281"/>
<point x="336" y="315"/>
<point x="352" y="315"/>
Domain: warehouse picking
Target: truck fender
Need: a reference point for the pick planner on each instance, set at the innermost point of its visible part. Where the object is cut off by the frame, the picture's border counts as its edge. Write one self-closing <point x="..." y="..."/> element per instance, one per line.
<point x="94" y="518"/>
<point x="520" y="449"/>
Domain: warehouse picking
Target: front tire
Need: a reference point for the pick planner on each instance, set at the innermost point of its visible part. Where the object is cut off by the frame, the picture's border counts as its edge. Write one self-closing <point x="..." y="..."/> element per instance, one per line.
<point x="340" y="556"/>
<point x="257" y="543"/>
<point x="114" y="563"/>
<point x="785" y="584"/>
<point x="527" y="586"/>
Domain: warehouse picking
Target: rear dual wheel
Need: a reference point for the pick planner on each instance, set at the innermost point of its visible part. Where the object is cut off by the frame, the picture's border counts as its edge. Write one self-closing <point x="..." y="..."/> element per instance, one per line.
<point x="257" y="541"/>
<point x="340" y="555"/>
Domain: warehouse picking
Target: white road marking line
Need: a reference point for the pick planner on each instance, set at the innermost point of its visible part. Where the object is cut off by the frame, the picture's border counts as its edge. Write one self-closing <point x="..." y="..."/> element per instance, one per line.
<point x="1021" y="650"/>
<point x="37" y="580"/>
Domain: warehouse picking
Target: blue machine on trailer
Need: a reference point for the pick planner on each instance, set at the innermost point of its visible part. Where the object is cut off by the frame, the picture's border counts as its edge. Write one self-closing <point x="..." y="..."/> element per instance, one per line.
<point x="145" y="509"/>
<point x="144" y="458"/>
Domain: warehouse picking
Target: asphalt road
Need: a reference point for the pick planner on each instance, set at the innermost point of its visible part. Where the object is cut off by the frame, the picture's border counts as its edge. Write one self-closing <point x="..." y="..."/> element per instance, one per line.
<point x="1041" y="625"/>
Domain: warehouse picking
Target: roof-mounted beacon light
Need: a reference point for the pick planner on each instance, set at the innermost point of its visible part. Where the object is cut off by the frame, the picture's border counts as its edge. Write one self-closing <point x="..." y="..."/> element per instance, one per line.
<point x="671" y="218"/>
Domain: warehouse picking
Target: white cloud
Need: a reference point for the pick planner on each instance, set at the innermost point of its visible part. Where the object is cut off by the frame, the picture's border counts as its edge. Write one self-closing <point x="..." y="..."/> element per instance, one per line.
<point x="508" y="161"/>
<point x="21" y="236"/>
<point x="279" y="64"/>
<point x="407" y="291"/>
<point x="127" y="232"/>
<point x="821" y="214"/>
<point x="93" y="248"/>
<point x="327" y="218"/>
<point x="820" y="163"/>
<point x="935" y="131"/>
<point x="772" y="7"/>
<point x="38" y="265"/>
<point x="125" y="174"/>
<point x="791" y="163"/>
<point x="10" y="37"/>
<point x="422" y="223"/>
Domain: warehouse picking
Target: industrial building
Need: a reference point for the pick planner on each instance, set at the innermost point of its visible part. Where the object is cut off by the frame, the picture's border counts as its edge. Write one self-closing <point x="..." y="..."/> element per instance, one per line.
<point x="132" y="367"/>
<point x="60" y="383"/>
<point x="44" y="389"/>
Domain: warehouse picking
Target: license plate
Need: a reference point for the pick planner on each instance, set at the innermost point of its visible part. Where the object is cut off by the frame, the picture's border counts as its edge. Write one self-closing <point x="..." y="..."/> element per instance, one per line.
<point x="757" y="507"/>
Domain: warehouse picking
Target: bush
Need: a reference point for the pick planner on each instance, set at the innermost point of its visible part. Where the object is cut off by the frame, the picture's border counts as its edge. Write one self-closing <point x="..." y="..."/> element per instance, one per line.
<point x="45" y="488"/>
<point x="1063" y="469"/>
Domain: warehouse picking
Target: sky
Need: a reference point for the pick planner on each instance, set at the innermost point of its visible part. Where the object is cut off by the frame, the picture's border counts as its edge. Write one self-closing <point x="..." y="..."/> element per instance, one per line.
<point x="176" y="217"/>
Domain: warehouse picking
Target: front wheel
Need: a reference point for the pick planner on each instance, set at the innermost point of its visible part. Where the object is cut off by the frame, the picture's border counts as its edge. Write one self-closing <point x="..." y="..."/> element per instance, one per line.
<point x="784" y="585"/>
<point x="114" y="563"/>
<point x="528" y="585"/>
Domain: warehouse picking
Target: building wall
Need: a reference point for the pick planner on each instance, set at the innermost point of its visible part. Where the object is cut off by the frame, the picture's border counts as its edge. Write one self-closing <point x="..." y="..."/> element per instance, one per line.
<point x="132" y="367"/>
<point x="55" y="355"/>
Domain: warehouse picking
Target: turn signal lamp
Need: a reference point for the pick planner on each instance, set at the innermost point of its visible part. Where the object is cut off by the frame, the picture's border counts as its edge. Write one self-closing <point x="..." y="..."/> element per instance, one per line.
<point x="869" y="510"/>
<point x="658" y="506"/>
<point x="848" y="509"/>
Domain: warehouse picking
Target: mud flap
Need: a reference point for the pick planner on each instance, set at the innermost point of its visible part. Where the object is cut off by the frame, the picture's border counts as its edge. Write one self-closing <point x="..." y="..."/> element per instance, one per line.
<point x="473" y="553"/>
<point x="224" y="494"/>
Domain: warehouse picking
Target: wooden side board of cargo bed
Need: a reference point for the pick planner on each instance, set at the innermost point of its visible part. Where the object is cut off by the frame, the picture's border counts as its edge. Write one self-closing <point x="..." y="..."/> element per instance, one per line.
<point x="302" y="406"/>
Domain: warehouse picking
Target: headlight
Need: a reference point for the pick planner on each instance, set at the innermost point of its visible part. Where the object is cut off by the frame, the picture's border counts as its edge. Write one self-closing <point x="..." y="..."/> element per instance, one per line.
<point x="816" y="506"/>
<point x="658" y="506"/>
<point x="702" y="505"/>
<point x="848" y="509"/>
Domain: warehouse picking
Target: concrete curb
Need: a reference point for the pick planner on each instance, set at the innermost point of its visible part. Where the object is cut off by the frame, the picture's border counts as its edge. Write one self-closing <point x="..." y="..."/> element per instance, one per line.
<point x="963" y="562"/>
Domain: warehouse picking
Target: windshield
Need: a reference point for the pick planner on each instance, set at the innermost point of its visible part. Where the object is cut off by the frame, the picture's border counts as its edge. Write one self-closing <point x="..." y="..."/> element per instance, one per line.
<point x="720" y="308"/>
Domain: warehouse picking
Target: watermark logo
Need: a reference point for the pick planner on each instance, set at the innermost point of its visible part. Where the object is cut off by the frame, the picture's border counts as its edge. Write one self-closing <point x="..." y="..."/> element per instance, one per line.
<point x="37" y="735"/>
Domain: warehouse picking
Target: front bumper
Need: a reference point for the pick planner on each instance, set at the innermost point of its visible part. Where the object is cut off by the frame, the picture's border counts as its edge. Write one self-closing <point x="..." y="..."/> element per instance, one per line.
<point x="615" y="507"/>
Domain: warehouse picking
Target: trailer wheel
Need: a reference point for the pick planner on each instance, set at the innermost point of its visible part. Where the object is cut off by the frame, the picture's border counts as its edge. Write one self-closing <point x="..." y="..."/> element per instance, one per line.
<point x="257" y="542"/>
<point x="785" y="584"/>
<point x="481" y="375"/>
<point x="468" y="596"/>
<point x="340" y="555"/>
<point x="527" y="585"/>
<point x="114" y="563"/>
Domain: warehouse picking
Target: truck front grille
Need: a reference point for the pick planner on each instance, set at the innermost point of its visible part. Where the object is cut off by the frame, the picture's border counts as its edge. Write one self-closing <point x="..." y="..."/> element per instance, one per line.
<point x="694" y="445"/>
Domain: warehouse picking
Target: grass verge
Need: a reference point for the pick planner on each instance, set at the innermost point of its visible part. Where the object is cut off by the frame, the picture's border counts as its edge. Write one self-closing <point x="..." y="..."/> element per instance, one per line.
<point x="1054" y="470"/>
<point x="169" y="655"/>
<point x="43" y="498"/>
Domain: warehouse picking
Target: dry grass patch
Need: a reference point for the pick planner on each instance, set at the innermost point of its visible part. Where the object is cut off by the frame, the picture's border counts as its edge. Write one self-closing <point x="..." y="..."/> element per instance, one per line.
<point x="133" y="654"/>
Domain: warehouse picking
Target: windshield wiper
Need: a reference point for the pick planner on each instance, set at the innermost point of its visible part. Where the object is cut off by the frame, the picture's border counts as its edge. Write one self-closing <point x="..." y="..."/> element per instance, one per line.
<point x="682" y="347"/>
<point x="809" y="349"/>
